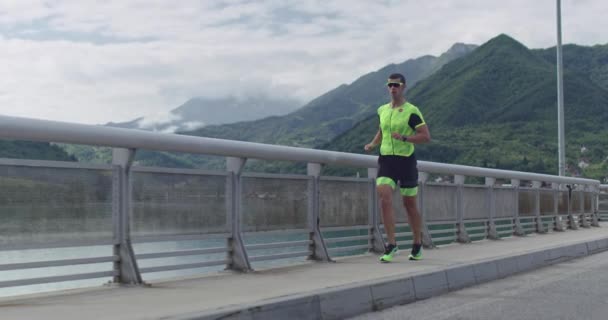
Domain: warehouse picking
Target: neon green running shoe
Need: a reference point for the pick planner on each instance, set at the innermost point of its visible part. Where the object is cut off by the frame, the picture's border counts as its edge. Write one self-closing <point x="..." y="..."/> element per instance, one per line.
<point x="389" y="252"/>
<point x="416" y="253"/>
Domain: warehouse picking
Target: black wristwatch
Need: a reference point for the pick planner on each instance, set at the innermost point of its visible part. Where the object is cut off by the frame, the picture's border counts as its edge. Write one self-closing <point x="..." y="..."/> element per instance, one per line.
<point x="403" y="138"/>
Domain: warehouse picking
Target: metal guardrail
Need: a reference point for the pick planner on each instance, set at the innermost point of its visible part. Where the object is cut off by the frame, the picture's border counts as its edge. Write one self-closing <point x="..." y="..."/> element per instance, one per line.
<point x="227" y="216"/>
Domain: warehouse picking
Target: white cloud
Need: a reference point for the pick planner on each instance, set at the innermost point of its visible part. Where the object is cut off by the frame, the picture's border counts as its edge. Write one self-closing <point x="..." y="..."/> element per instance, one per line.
<point x="94" y="62"/>
<point x="156" y="119"/>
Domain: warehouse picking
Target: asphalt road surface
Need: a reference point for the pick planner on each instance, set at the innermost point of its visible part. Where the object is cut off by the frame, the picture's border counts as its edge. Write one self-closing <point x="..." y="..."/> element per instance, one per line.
<point x="577" y="289"/>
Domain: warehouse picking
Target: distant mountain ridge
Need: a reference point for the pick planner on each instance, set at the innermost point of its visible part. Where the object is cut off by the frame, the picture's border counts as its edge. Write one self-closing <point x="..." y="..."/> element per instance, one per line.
<point x="199" y="112"/>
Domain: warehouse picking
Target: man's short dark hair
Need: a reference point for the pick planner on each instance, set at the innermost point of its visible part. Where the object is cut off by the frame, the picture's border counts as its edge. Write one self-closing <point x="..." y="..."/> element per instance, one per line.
<point x="397" y="76"/>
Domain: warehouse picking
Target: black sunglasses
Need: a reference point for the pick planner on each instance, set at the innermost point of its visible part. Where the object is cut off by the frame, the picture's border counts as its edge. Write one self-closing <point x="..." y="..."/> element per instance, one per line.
<point x="393" y="84"/>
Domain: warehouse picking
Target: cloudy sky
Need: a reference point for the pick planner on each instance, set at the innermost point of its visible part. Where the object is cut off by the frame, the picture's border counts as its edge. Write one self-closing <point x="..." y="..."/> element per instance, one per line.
<point x="96" y="61"/>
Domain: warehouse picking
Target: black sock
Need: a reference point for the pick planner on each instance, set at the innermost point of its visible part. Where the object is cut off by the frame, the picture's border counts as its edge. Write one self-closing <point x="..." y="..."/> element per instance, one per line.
<point x="416" y="248"/>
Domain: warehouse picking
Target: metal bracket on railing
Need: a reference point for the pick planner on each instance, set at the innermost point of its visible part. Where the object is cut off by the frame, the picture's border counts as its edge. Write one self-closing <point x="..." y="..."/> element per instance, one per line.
<point x="461" y="231"/>
<point x="584" y="215"/>
<point x="492" y="233"/>
<point x="128" y="271"/>
<point x="427" y="240"/>
<point x="318" y="250"/>
<point x="376" y="240"/>
<point x="559" y="225"/>
<point x="571" y="221"/>
<point x="518" y="229"/>
<point x="594" y="191"/>
<point x="237" y="255"/>
<point x="540" y="227"/>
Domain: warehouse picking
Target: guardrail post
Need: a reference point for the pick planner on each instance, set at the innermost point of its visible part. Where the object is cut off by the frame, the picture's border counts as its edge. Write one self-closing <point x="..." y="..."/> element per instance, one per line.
<point x="540" y="227"/>
<point x="559" y="225"/>
<point x="572" y="223"/>
<point x="518" y="229"/>
<point x="318" y="248"/>
<point x="427" y="239"/>
<point x="128" y="271"/>
<point x="491" y="198"/>
<point x="583" y="215"/>
<point x="376" y="240"/>
<point x="593" y="190"/>
<point x="237" y="255"/>
<point x="461" y="230"/>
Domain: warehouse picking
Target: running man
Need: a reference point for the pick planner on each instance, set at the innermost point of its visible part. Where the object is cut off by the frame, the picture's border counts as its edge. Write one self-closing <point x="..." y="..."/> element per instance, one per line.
<point x="401" y="126"/>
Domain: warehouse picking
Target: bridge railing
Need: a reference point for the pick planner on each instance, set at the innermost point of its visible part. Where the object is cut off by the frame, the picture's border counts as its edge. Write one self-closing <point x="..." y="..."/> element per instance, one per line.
<point x="602" y="202"/>
<point x="67" y="221"/>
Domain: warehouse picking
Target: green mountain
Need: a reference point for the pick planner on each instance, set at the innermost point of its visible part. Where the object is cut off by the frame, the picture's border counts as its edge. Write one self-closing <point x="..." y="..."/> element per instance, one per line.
<point x="142" y="157"/>
<point x="497" y="107"/>
<point x="16" y="149"/>
<point x="591" y="62"/>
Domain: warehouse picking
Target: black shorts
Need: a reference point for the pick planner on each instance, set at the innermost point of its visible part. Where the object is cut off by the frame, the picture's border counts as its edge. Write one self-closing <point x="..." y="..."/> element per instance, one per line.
<point x="402" y="170"/>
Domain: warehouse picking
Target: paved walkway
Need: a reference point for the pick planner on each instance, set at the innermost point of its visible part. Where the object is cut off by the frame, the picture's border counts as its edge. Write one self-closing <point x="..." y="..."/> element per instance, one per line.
<point x="349" y="287"/>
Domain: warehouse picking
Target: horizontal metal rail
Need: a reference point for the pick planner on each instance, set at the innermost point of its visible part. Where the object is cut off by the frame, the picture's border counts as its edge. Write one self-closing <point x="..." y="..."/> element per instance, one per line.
<point x="441" y="222"/>
<point x="405" y="242"/>
<point x="280" y="256"/>
<point x="347" y="228"/>
<point x="441" y="239"/>
<point x="476" y="228"/>
<point x="483" y="233"/>
<point x="277" y="232"/>
<point x="349" y="248"/>
<point x="526" y="218"/>
<point x="72" y="277"/>
<point x="58" y="244"/>
<point x="403" y="234"/>
<point x="451" y="230"/>
<point x="176" y="237"/>
<point x="278" y="245"/>
<point x="180" y="253"/>
<point x="56" y="263"/>
<point x="183" y="266"/>
<point x="344" y="179"/>
<point x="284" y="176"/>
<point x="402" y="224"/>
<point x="475" y="220"/>
<point x="343" y="239"/>
<point x="193" y="172"/>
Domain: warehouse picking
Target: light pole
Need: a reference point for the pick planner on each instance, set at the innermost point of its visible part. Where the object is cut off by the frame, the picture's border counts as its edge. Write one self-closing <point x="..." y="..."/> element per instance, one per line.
<point x="560" y="95"/>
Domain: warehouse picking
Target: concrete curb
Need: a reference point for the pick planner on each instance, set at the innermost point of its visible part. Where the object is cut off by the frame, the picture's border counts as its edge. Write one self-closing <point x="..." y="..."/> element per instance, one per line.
<point x="351" y="300"/>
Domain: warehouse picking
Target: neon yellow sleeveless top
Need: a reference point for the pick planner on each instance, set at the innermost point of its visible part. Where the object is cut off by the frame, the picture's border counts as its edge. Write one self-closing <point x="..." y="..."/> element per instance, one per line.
<point x="403" y="120"/>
